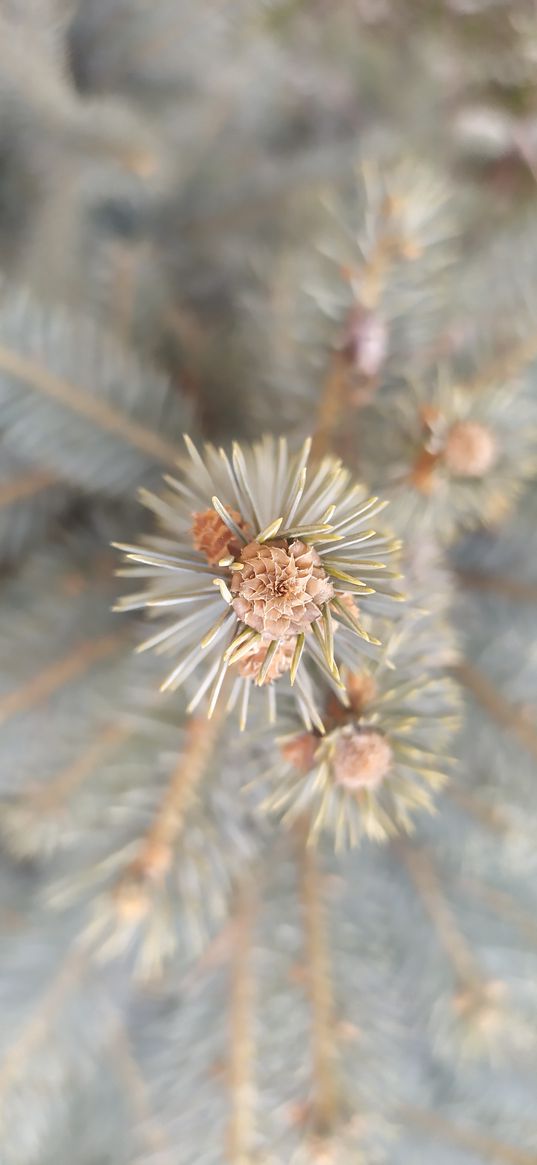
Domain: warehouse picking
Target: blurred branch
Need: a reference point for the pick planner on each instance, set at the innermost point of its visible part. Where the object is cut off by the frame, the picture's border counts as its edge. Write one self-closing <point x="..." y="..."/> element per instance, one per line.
<point x="496" y="706"/>
<point x="25" y="486"/>
<point x="155" y="1136"/>
<point x="155" y="850"/>
<point x="471" y="1140"/>
<point x="326" y="1086"/>
<point x="99" y="412"/>
<point x="425" y="879"/>
<point x="242" y="1047"/>
<point x="505" y="905"/>
<point x="37" y="1027"/>
<point x="50" y="797"/>
<point x="501" y="585"/>
<point x="56" y="675"/>
<point x="489" y="816"/>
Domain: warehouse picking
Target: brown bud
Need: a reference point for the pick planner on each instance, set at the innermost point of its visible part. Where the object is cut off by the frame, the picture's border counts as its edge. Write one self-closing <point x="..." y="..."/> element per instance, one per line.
<point x="131" y="899"/>
<point x="361" y="759"/>
<point x="300" y="751"/>
<point x="211" y="535"/>
<point x="348" y="600"/>
<point x="471" y="449"/>
<point x="482" y="1006"/>
<point x="250" y="665"/>
<point x="361" y="690"/>
<point x="365" y="342"/>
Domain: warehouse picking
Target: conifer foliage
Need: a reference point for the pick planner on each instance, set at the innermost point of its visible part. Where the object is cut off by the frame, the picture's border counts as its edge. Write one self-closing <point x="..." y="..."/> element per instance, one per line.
<point x="268" y="587"/>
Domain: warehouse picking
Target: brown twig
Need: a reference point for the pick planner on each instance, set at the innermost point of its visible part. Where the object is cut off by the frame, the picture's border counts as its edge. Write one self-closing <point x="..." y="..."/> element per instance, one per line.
<point x="503" y="365"/>
<point x="505" y="587"/>
<point x="424" y="877"/>
<point x="127" y="263"/>
<point x="307" y="170"/>
<point x="49" y="797"/>
<point x="38" y="1025"/>
<point x="496" y="706"/>
<point x="155" y="1136"/>
<point x="99" y="412"/>
<point x="474" y="1141"/>
<point x="25" y="485"/>
<point x="45" y="683"/>
<point x="155" y="850"/>
<point x="327" y="1096"/>
<point x="242" y="1047"/>
<point x="331" y="404"/>
<point x="502" y="903"/>
<point x="389" y="247"/>
<point x="487" y="815"/>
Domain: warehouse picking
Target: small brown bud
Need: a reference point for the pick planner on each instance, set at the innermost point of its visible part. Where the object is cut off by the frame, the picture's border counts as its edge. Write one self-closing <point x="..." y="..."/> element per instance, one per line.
<point x="365" y="342"/>
<point x="250" y="665"/>
<point x="471" y="449"/>
<point x="350" y="603"/>
<point x="211" y="535"/>
<point x="423" y="476"/>
<point x="300" y="751"/>
<point x="430" y="416"/>
<point x="361" y="759"/>
<point x="361" y="690"/>
<point x="131" y="899"/>
<point x="156" y="859"/>
<point x="482" y="1006"/>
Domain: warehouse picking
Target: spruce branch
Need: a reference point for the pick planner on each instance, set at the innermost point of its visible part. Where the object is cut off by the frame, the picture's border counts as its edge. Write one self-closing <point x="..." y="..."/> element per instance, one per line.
<point x="390" y="230"/>
<point x="131" y="808"/>
<point x="505" y="365"/>
<point x="50" y="798"/>
<point x="490" y="817"/>
<point x="25" y="485"/>
<point x="153" y="858"/>
<point x="478" y="1002"/>
<point x="37" y="1027"/>
<point x="59" y="673"/>
<point x="273" y="190"/>
<point x="31" y="500"/>
<point x="332" y="404"/>
<point x="497" y="707"/>
<point x="488" y="1148"/>
<point x="160" y="875"/>
<point x="33" y="376"/>
<point x="62" y="658"/>
<point x="450" y="457"/>
<point x="504" y="586"/>
<point x="503" y="903"/>
<point x="384" y="752"/>
<point x="346" y="377"/>
<point x="249" y="548"/>
<point x="425" y="879"/>
<point x="59" y="1019"/>
<point x="105" y="416"/>
<point x="155" y="1136"/>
